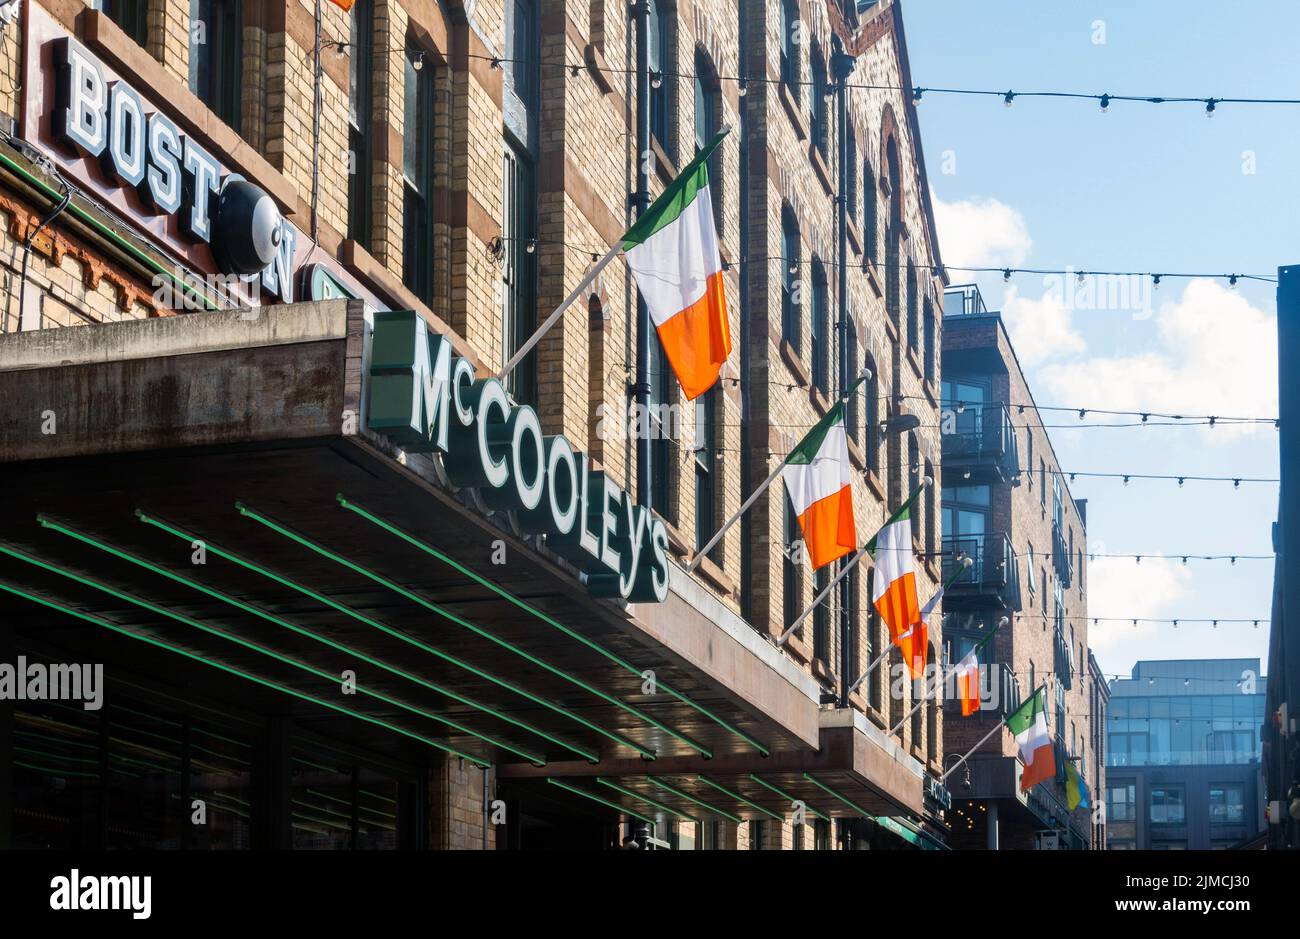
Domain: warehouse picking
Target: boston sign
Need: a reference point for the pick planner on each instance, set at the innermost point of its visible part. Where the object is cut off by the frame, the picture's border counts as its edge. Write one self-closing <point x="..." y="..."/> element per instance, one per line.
<point x="111" y="140"/>
<point x="427" y="400"/>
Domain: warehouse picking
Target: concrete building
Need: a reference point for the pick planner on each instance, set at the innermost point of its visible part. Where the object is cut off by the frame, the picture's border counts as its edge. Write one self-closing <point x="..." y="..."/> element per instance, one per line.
<point x="332" y="629"/>
<point x="1183" y="755"/>
<point x="1007" y="506"/>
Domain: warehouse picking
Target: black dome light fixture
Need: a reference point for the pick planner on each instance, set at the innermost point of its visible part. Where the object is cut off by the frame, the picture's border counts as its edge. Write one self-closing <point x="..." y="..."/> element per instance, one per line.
<point x="247" y="231"/>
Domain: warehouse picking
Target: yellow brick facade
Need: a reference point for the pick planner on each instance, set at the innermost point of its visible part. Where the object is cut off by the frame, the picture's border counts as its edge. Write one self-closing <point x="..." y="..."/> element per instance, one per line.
<point x="585" y="170"/>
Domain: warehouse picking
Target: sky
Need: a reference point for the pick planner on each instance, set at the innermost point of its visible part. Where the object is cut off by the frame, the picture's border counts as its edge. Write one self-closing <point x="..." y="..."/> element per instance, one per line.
<point x="1056" y="183"/>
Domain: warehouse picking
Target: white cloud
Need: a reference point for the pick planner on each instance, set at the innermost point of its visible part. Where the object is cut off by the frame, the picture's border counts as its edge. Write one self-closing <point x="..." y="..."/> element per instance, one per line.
<point x="1122" y="587"/>
<point x="1216" y="355"/>
<point x="1040" y="329"/>
<point x="980" y="233"/>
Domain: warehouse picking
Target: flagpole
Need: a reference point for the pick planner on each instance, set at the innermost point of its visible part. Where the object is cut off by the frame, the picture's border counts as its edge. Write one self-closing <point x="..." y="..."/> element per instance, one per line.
<point x="753" y="496"/>
<point x="852" y="562"/>
<point x="965" y="756"/>
<point x="551" y="320"/>
<point x="952" y="669"/>
<point x="744" y="507"/>
<point x="614" y="250"/>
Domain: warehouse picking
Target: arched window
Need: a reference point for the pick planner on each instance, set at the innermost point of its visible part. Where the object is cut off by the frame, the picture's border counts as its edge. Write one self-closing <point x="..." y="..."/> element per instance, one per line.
<point x="661" y="18"/>
<point x="708" y="119"/>
<point x="913" y="332"/>
<point x="872" y="401"/>
<point x="821" y="325"/>
<point x="850" y="174"/>
<point x="932" y="718"/>
<point x="893" y="253"/>
<point x="791" y="569"/>
<point x="928" y="518"/>
<point x="790" y="48"/>
<point x="874" y="644"/>
<point x="791" y="312"/>
<point x="870" y="224"/>
<point x="931" y="327"/>
<point x="853" y="410"/>
<point x="820" y="124"/>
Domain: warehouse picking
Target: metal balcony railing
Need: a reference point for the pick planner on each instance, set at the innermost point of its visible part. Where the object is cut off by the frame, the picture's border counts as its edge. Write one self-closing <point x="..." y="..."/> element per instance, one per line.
<point x="979" y="436"/>
<point x="993" y="574"/>
<point x="963" y="300"/>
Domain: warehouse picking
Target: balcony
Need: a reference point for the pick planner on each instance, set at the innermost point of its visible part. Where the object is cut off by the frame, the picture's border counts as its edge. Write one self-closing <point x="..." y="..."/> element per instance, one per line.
<point x="979" y="443"/>
<point x="992" y="580"/>
<point x="1061" y="560"/>
<point x="963" y="300"/>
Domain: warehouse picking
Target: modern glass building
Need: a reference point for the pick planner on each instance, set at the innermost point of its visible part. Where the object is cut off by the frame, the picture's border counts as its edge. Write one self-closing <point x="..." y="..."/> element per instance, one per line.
<point x="1183" y="755"/>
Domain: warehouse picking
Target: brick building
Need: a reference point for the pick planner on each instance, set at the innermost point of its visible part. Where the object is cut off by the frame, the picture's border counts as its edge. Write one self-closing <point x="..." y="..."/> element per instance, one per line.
<point x="1007" y="506"/>
<point x="170" y="182"/>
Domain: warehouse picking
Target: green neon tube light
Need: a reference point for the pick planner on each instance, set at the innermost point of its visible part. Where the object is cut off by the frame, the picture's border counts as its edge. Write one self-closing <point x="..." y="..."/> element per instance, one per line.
<point x="246" y="643"/>
<point x="55" y="772"/>
<point x="459" y="621"/>
<point x="646" y="799"/>
<point x="595" y="798"/>
<point x="103" y="230"/>
<point x="825" y="788"/>
<point x="690" y="798"/>
<point x="785" y="795"/>
<point x="85" y="760"/>
<point x="248" y="676"/>
<point x="190" y="538"/>
<point x="539" y="614"/>
<point x="739" y="798"/>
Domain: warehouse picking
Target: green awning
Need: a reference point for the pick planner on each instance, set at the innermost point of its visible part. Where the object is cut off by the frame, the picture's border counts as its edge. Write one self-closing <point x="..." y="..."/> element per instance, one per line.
<point x="910" y="833"/>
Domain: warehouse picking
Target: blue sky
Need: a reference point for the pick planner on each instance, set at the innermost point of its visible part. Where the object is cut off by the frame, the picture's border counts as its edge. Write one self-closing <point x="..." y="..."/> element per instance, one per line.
<point x="1056" y="183"/>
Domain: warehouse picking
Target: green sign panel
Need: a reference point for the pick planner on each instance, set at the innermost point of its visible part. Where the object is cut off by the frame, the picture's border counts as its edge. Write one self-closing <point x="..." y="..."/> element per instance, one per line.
<point x="428" y="400"/>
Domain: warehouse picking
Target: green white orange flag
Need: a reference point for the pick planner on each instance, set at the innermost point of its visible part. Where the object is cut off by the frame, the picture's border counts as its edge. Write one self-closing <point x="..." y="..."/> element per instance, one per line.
<point x="968" y="683"/>
<point x="1029" y="724"/>
<point x="673" y="253"/>
<point x="817" y="479"/>
<point x="345" y="4"/>
<point x="893" y="585"/>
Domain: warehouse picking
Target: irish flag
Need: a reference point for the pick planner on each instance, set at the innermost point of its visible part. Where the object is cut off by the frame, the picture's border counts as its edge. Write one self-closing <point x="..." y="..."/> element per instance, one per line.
<point x="893" y="586"/>
<point x="817" y="479"/>
<point x="967" y="673"/>
<point x="1029" y="724"/>
<point x="673" y="253"/>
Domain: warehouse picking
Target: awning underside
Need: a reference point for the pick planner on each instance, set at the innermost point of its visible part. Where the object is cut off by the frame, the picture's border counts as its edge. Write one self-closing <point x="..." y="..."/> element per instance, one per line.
<point x="297" y="588"/>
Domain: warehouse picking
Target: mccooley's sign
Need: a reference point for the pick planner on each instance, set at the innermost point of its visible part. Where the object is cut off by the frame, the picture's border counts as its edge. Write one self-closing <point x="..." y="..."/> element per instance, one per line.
<point x="428" y="400"/>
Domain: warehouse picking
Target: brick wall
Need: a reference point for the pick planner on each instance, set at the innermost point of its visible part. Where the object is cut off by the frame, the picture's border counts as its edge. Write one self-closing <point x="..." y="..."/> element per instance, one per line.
<point x="584" y="168"/>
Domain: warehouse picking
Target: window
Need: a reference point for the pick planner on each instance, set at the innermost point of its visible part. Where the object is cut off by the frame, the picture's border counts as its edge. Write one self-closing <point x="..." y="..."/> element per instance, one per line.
<point x="757" y="834"/>
<point x="821" y="618"/>
<point x="791" y="314"/>
<point x="790" y="47"/>
<point x="661" y="60"/>
<point x="1029" y="451"/>
<point x="1227" y="804"/>
<point x="872" y="387"/>
<point x="869" y="220"/>
<point x="708" y="119"/>
<point x="873" y="638"/>
<point x="820" y="118"/>
<point x="792" y="568"/>
<point x="850" y="174"/>
<point x="853" y="638"/>
<point x="663" y="429"/>
<point x="1169" y="846"/>
<point x="216" y="54"/>
<point x="706" y="522"/>
<point x="853" y="409"/>
<point x="1167" y="806"/>
<point x="797" y="837"/>
<point x="932" y="720"/>
<point x="519" y="267"/>
<point x="1042" y="482"/>
<point x="360" y="121"/>
<point x="821" y="835"/>
<point x="912" y="331"/>
<point x="929" y="348"/>
<point x="927" y="502"/>
<point x="522" y="38"/>
<point x="821" y="371"/>
<point x="131" y="15"/>
<point x="417" y="176"/>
